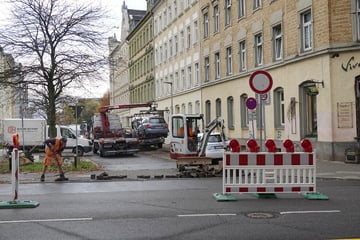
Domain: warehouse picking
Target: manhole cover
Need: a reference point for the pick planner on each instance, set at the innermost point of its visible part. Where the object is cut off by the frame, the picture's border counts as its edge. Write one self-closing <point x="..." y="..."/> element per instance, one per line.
<point x="260" y="215"/>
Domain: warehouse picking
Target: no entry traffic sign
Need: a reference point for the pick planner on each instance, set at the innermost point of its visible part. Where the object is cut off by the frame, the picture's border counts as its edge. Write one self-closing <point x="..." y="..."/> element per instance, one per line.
<point x="260" y="81"/>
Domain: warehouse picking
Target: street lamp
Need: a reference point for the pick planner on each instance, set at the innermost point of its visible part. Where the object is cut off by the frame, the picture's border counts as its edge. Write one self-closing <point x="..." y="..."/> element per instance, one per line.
<point x="171" y="97"/>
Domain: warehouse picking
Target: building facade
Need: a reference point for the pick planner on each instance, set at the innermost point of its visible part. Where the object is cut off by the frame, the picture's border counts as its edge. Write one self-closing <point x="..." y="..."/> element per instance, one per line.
<point x="205" y="52"/>
<point x="177" y="56"/>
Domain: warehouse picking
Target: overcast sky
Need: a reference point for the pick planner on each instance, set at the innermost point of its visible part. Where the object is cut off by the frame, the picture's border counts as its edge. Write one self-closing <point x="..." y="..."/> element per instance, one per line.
<point x="113" y="7"/>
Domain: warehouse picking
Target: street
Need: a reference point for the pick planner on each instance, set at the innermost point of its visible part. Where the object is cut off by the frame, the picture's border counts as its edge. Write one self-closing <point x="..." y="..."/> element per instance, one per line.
<point x="182" y="208"/>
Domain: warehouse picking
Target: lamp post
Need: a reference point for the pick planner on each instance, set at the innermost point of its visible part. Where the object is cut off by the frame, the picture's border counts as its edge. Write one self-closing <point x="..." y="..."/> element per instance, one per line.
<point x="171" y="97"/>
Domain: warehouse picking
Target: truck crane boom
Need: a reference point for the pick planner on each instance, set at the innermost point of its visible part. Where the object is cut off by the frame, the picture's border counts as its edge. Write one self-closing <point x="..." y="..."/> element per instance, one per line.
<point x="104" y="109"/>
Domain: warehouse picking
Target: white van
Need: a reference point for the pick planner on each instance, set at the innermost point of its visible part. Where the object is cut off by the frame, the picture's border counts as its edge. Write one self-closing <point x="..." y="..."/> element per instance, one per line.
<point x="33" y="133"/>
<point x="83" y="145"/>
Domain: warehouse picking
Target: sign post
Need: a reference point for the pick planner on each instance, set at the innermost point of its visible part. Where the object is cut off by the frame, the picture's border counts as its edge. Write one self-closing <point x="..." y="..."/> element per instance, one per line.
<point x="261" y="82"/>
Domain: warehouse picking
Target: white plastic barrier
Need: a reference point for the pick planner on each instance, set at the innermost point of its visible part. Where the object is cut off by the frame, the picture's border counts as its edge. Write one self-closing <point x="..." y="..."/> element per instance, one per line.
<point x="267" y="172"/>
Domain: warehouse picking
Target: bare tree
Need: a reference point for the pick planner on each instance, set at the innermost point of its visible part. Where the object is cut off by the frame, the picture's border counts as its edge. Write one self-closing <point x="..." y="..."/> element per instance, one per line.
<point x="59" y="44"/>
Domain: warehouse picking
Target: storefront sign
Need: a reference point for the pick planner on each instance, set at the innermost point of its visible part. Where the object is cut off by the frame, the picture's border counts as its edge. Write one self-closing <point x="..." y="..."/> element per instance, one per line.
<point x="351" y="64"/>
<point x="345" y="115"/>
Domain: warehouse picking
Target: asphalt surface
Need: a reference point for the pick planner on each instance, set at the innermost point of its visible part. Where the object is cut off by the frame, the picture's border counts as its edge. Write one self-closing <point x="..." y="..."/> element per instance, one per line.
<point x="325" y="169"/>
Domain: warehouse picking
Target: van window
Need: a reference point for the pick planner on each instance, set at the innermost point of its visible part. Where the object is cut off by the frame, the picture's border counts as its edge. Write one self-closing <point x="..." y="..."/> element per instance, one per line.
<point x="66" y="133"/>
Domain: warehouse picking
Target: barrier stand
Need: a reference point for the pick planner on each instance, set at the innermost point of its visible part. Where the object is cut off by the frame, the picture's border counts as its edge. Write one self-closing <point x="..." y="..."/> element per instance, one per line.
<point x="265" y="173"/>
<point x="15" y="203"/>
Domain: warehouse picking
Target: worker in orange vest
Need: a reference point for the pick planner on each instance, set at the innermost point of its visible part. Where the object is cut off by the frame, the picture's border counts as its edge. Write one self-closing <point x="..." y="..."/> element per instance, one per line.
<point x="53" y="150"/>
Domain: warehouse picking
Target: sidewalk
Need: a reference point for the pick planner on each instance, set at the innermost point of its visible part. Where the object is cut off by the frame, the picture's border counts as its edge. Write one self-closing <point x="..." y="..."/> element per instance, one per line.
<point x="325" y="170"/>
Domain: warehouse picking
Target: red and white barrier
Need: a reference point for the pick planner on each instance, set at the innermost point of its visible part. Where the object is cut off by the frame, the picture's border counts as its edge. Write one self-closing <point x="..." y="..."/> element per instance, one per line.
<point x="247" y="172"/>
<point x="269" y="172"/>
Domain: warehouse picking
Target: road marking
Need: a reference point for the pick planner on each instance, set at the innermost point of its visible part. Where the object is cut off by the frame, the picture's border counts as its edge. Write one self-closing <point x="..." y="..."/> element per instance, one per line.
<point x="47" y="220"/>
<point x="207" y="215"/>
<point x="302" y="212"/>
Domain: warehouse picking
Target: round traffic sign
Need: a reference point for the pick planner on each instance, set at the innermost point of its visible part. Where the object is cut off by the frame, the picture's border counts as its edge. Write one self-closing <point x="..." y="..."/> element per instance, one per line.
<point x="251" y="103"/>
<point x="260" y="81"/>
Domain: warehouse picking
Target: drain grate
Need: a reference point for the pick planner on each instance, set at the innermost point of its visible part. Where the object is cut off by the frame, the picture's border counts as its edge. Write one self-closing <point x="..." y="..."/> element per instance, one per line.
<point x="260" y="215"/>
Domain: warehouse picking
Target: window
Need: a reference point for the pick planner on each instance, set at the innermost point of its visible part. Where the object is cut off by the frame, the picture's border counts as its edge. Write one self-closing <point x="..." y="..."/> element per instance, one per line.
<point x="216" y="18"/>
<point x="188" y="37"/>
<point x="230" y="112"/>
<point x="183" y="83"/>
<point x="279" y="108"/>
<point x="170" y="14"/>
<point x="357" y="17"/>
<point x="196" y="31"/>
<point x="181" y="41"/>
<point x="190" y="109"/>
<point x="207" y="112"/>
<point x="207" y="69"/>
<point x="175" y="8"/>
<point x="197" y="77"/>
<point x="170" y="48"/>
<point x="277" y="42"/>
<point x="218" y="107"/>
<point x="217" y="65"/>
<point x="244" y="111"/>
<point x="161" y="54"/>
<point x="241" y="8"/>
<point x="176" y="45"/>
<point x="189" y="77"/>
<point x="227" y="12"/>
<point x="206" y="25"/>
<point x="258" y="50"/>
<point x="306" y="31"/>
<point x="242" y="54"/>
<point x="308" y="111"/>
<point x="177" y="123"/>
<point x="228" y="61"/>
<point x="165" y="52"/>
<point x="197" y="107"/>
<point x="256" y="4"/>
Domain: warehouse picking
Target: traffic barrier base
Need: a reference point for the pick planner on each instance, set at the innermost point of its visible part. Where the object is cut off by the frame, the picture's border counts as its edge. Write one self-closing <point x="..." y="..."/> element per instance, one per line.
<point x="18" y="204"/>
<point x="224" y="197"/>
<point x="15" y="203"/>
<point x="315" y="196"/>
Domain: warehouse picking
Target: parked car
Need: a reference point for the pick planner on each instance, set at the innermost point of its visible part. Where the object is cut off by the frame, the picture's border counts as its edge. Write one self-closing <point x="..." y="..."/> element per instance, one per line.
<point x="152" y="127"/>
<point x="215" y="146"/>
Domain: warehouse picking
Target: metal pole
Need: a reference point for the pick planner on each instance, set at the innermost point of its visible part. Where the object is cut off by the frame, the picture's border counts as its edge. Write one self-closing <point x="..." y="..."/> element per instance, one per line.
<point x="171" y="98"/>
<point x="172" y="103"/>
<point x="76" y="137"/>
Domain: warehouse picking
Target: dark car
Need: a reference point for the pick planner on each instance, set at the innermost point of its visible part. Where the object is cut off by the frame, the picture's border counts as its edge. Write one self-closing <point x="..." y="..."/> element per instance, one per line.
<point x="152" y="127"/>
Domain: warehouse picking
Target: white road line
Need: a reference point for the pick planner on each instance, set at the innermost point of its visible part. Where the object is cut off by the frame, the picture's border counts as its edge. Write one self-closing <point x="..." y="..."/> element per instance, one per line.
<point x="47" y="220"/>
<point x="207" y="215"/>
<point x="302" y="212"/>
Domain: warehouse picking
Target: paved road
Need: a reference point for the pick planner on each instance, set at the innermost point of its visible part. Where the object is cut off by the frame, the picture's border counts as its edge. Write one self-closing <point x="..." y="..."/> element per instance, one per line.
<point x="136" y="208"/>
<point x="177" y="209"/>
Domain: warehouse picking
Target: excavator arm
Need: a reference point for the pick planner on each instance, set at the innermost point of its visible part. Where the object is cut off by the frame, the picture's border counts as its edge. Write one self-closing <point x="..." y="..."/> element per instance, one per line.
<point x="216" y="123"/>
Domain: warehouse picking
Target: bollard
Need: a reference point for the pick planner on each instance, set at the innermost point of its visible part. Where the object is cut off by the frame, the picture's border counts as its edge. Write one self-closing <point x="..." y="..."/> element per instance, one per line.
<point x="252" y="145"/>
<point x="289" y="145"/>
<point x="15" y="203"/>
<point x="306" y="145"/>
<point x="234" y="145"/>
<point x="15" y="167"/>
<point x="270" y="145"/>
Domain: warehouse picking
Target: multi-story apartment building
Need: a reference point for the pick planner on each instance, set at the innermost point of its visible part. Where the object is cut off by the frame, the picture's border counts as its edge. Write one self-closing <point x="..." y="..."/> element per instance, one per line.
<point x="119" y="62"/>
<point x="206" y="51"/>
<point x="177" y="55"/>
<point x="141" y="61"/>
